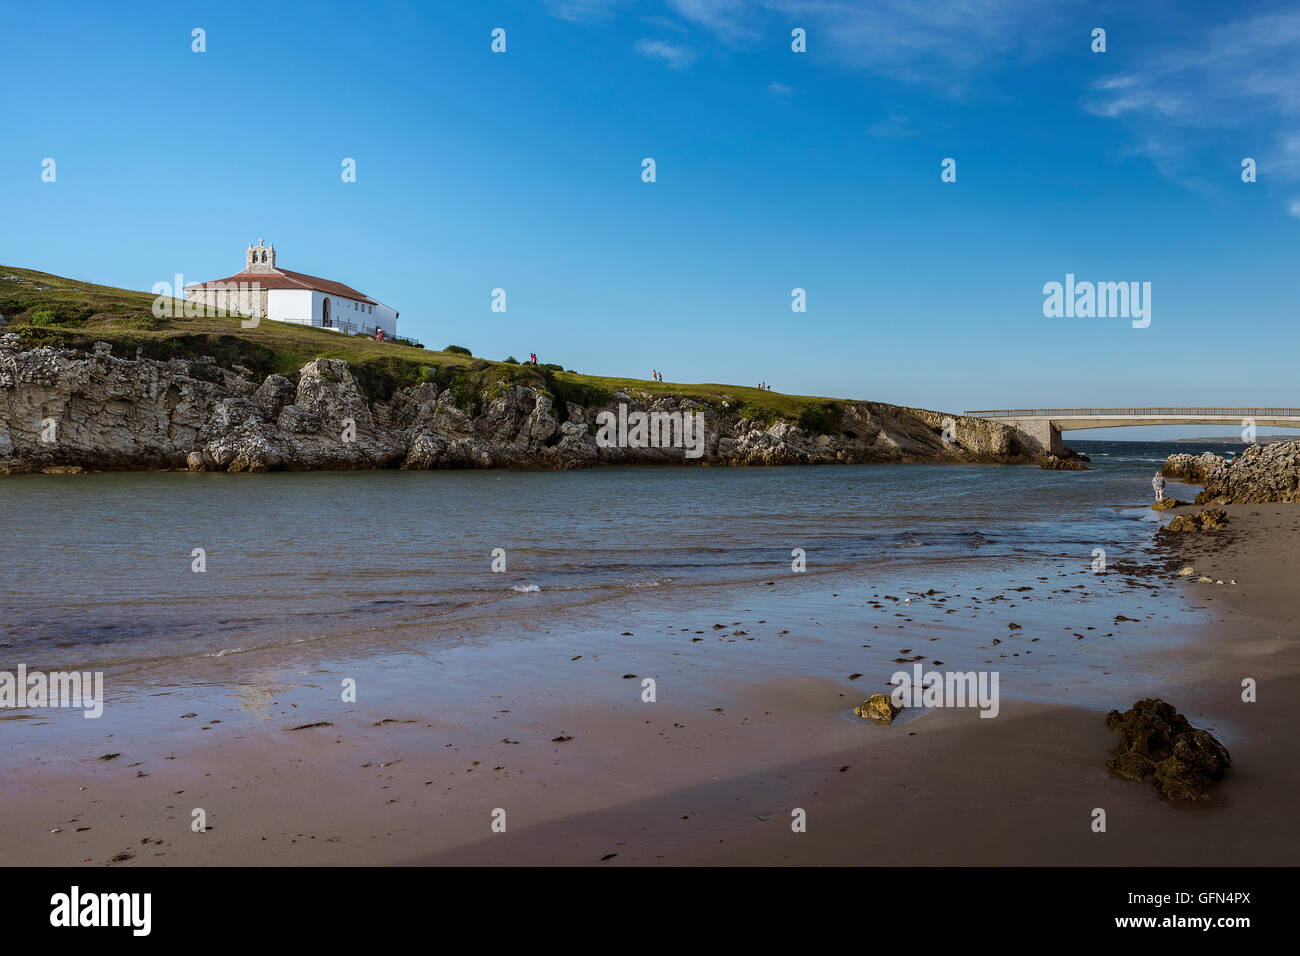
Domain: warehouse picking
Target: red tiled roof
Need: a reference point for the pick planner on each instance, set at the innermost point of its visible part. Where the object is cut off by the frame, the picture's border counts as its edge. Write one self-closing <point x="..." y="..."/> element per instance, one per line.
<point x="284" y="279"/>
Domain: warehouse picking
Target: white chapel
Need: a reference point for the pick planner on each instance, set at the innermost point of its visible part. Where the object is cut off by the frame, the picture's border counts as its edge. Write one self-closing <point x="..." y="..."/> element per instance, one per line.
<point x="266" y="290"/>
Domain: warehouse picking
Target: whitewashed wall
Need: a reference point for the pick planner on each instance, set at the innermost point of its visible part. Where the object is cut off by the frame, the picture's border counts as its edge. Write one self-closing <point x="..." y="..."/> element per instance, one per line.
<point x="292" y="305"/>
<point x="307" y="307"/>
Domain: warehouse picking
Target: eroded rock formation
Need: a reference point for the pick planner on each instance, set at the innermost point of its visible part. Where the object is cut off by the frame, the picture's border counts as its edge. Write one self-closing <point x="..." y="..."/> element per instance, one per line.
<point x="66" y="409"/>
<point x="1262" y="473"/>
<point x="1208" y="519"/>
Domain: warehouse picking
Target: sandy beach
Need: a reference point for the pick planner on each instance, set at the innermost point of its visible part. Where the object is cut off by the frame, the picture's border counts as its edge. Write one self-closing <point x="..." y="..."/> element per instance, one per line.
<point x="587" y="773"/>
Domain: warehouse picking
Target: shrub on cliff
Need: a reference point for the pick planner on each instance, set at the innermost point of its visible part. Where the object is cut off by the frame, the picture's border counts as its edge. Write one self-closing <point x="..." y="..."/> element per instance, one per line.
<point x="458" y="350"/>
<point x="821" y="419"/>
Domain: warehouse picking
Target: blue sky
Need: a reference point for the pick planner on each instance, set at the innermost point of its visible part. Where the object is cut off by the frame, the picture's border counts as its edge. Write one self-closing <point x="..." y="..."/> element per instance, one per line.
<point x="775" y="170"/>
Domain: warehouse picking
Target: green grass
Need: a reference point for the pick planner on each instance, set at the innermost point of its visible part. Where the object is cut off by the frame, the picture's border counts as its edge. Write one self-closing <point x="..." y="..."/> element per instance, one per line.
<point x="65" y="313"/>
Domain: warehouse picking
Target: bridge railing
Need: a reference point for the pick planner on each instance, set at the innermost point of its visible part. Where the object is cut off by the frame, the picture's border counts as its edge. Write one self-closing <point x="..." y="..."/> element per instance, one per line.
<point x="1135" y="412"/>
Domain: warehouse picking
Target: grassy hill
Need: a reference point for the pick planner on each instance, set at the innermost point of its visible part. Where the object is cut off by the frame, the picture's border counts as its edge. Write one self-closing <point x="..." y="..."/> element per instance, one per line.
<point x="50" y="310"/>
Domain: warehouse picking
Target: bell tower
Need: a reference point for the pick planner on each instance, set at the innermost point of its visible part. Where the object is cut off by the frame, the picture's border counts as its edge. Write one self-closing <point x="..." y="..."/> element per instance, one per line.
<point x="259" y="258"/>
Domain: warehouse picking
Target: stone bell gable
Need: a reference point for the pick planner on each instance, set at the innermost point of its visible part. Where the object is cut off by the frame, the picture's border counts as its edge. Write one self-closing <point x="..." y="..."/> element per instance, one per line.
<point x="259" y="258"/>
<point x="269" y="291"/>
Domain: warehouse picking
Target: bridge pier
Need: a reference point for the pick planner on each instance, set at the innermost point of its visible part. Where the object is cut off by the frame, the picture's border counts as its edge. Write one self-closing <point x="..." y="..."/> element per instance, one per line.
<point x="1040" y="431"/>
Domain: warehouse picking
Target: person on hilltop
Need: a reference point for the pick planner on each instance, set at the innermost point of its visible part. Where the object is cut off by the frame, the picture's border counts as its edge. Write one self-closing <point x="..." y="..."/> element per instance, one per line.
<point x="654" y="375"/>
<point x="1158" y="483"/>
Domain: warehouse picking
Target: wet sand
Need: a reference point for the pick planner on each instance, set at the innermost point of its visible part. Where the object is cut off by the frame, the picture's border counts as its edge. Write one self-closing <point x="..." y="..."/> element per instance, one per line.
<point x="710" y="773"/>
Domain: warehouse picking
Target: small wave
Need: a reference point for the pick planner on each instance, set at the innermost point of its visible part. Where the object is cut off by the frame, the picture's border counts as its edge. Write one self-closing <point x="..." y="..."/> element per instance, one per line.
<point x="525" y="588"/>
<point x="224" y="651"/>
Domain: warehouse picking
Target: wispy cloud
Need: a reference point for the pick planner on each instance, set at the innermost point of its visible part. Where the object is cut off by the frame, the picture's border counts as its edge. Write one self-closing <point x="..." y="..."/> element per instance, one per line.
<point x="779" y="89"/>
<point x="729" y="19"/>
<point x="892" y="127"/>
<point x="940" y="45"/>
<point x="580" y="10"/>
<point x="1238" y="89"/>
<point x="675" y="55"/>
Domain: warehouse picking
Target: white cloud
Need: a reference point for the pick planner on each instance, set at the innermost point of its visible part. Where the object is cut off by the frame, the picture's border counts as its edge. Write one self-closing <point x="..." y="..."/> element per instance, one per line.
<point x="676" y="56"/>
<point x="1294" y="208"/>
<point x="779" y="89"/>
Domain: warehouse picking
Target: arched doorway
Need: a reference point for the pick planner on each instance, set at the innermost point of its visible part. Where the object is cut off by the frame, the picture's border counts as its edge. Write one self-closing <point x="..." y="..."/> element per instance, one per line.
<point x="325" y="314"/>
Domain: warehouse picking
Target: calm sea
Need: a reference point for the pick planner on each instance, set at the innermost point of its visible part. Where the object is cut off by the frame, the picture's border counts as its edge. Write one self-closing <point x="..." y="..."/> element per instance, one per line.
<point x="99" y="568"/>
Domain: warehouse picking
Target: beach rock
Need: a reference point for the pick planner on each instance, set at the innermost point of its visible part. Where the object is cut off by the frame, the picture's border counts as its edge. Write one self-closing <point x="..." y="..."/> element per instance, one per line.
<point x="1191" y="468"/>
<point x="878" y="708"/>
<point x="1261" y="474"/>
<point x="1209" y="519"/>
<point x="1056" y="463"/>
<point x="1164" y="504"/>
<point x="1158" y="744"/>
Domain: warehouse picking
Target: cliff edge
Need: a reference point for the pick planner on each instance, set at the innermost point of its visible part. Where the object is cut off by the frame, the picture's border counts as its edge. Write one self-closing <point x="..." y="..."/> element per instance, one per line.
<point x="67" y="409"/>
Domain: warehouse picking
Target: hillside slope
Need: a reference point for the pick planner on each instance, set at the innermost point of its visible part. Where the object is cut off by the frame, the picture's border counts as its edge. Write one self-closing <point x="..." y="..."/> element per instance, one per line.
<point x="91" y="379"/>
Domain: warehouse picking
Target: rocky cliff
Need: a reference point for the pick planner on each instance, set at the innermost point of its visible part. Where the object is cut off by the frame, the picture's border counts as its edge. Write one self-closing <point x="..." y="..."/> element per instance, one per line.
<point x="1262" y="473"/>
<point x="63" y="409"/>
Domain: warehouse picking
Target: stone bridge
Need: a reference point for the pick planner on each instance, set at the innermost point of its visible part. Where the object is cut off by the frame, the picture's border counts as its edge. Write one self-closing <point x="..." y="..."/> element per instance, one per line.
<point x="1044" y="425"/>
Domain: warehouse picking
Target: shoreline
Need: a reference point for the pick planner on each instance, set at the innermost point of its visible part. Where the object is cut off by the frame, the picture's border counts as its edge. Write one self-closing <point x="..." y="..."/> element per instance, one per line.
<point x="708" y="774"/>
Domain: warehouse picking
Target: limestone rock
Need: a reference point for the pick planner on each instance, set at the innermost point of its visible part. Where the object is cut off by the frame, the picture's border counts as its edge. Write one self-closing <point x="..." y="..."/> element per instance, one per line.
<point x="1262" y="473"/>
<point x="1056" y="463"/>
<point x="116" y="413"/>
<point x="1209" y="519"/>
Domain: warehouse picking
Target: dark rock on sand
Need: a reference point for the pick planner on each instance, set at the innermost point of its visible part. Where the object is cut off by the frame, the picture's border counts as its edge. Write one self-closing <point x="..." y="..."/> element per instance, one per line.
<point x="1210" y="519"/>
<point x="1158" y="744"/>
<point x="1164" y="504"/>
